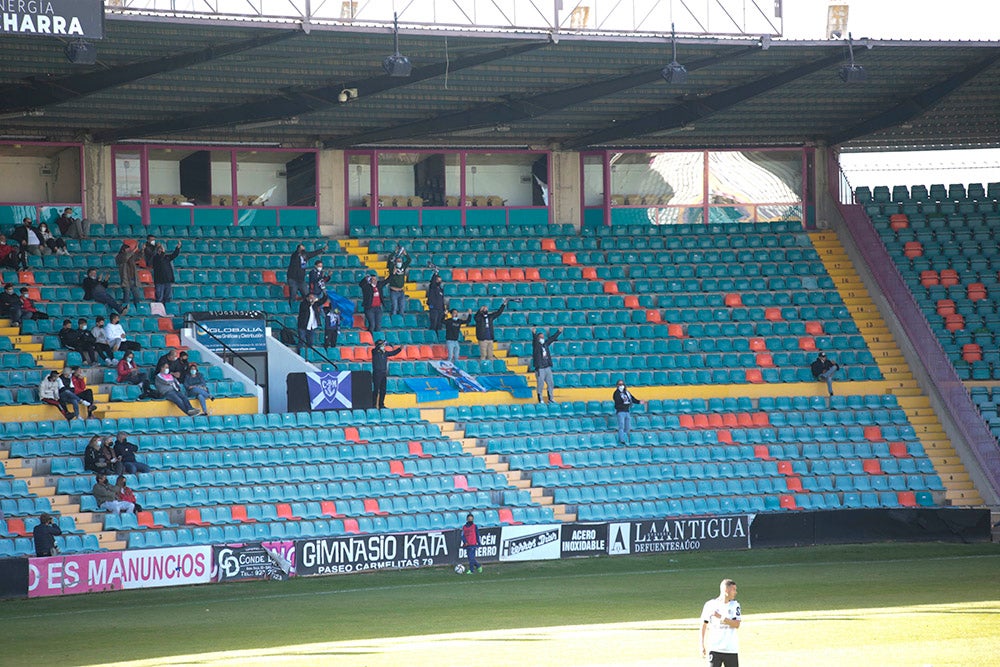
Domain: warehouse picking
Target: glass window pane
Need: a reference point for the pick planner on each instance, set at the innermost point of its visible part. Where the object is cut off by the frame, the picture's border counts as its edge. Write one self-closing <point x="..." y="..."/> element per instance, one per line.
<point x="185" y="177"/>
<point x="128" y="174"/>
<point x="40" y="173"/>
<point x="275" y="178"/>
<point x="506" y="179"/>
<point x="668" y="185"/>
<point x="593" y="180"/>
<point x="359" y="180"/>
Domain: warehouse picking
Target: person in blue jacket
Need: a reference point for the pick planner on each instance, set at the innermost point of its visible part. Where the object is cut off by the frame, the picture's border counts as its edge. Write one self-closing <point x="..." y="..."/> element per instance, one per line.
<point x="470" y="542"/>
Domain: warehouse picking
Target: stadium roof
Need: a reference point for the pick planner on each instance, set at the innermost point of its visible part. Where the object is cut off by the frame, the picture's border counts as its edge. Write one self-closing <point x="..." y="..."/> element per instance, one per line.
<point x="174" y="81"/>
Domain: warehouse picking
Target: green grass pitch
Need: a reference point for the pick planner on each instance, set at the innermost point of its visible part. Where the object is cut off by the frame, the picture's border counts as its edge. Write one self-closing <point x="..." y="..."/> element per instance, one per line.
<point x="845" y="606"/>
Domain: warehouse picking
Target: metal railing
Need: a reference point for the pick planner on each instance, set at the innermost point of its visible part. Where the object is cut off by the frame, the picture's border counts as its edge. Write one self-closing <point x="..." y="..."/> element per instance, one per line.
<point x="228" y="353"/>
<point x="298" y="343"/>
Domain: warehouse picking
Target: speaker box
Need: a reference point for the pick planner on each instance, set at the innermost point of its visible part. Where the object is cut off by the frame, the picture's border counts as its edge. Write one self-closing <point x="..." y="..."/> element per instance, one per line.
<point x="81" y="53"/>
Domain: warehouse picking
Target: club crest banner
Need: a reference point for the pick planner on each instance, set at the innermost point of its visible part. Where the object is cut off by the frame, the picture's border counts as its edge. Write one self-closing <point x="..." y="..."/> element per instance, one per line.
<point x="330" y="390"/>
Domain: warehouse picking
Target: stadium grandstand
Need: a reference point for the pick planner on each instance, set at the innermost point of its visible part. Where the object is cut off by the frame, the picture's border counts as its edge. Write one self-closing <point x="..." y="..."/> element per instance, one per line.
<point x="678" y="216"/>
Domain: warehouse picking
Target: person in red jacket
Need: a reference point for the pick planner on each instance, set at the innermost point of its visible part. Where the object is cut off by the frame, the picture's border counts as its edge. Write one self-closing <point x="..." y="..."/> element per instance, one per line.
<point x="470" y="542"/>
<point x="28" y="309"/>
<point x="129" y="371"/>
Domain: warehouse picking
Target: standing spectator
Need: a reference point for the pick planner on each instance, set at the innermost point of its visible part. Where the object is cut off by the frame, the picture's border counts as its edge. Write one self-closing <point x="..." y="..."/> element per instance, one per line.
<point x="125" y="451"/>
<point x="86" y="340"/>
<point x="129" y="372"/>
<point x="435" y="301"/>
<point x="95" y="288"/>
<point x="310" y="318"/>
<point x="541" y="359"/>
<point x="296" y="274"/>
<point x="452" y="332"/>
<point x="107" y="497"/>
<point x="721" y="617"/>
<point x="56" y="245"/>
<point x="74" y="228"/>
<point x="28" y="309"/>
<point x="116" y="337"/>
<point x="371" y="301"/>
<point x="148" y="250"/>
<point x="78" y="383"/>
<point x="399" y="253"/>
<point x="69" y="338"/>
<point x="171" y="390"/>
<point x="470" y="542"/>
<point x="50" y="393"/>
<point x="484" y="329"/>
<point x="127" y="260"/>
<point x="126" y="494"/>
<point x="10" y="256"/>
<point x="823" y="370"/>
<point x="380" y="371"/>
<point x="29" y="241"/>
<point x="398" y="274"/>
<point x="333" y="318"/>
<point x="10" y="305"/>
<point x="45" y="533"/>
<point x="99" y="458"/>
<point x="196" y="387"/>
<point x="318" y="281"/>
<point x="163" y="272"/>
<point x="624" y="400"/>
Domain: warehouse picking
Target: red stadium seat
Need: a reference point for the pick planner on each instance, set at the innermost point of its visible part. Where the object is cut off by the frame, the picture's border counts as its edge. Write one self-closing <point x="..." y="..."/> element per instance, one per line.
<point x="192" y="517"/>
<point x="396" y="468"/>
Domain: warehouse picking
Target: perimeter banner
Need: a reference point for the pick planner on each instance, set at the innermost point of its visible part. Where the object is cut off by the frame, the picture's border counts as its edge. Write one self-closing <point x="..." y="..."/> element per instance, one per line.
<point x="259" y="560"/>
<point x="241" y="331"/>
<point x="530" y="542"/>
<point x="691" y="534"/>
<point x="365" y="553"/>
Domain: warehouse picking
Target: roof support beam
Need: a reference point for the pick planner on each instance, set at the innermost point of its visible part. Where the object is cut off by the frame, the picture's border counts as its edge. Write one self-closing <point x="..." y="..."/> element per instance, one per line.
<point x="510" y="111"/>
<point x="685" y="113"/>
<point x="914" y="106"/>
<point x="295" y="102"/>
<point x="36" y="93"/>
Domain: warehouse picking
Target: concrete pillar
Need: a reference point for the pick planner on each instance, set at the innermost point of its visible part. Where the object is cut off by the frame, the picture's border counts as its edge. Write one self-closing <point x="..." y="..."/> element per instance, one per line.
<point x="98" y="198"/>
<point x="564" y="191"/>
<point x="827" y="214"/>
<point x="330" y="166"/>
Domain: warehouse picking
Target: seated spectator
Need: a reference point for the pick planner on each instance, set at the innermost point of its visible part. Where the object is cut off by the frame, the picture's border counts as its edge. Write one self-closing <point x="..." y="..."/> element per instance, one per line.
<point x="45" y="536"/>
<point x="87" y="338"/>
<point x="169" y="358"/>
<point x="79" y="386"/>
<point x="107" y="497"/>
<point x="100" y="458"/>
<point x="125" y="493"/>
<point x="10" y="256"/>
<point x="125" y="451"/>
<point x="29" y="241"/>
<point x="101" y="342"/>
<point x="196" y="387"/>
<point x="171" y="390"/>
<point x="129" y="372"/>
<point x="69" y="395"/>
<point x="10" y="305"/>
<point x="823" y="369"/>
<point x="115" y="334"/>
<point x="179" y="368"/>
<point x="74" y="228"/>
<point x="50" y="392"/>
<point x="28" y="309"/>
<point x="69" y="338"/>
<point x="56" y="245"/>
<point x="96" y="289"/>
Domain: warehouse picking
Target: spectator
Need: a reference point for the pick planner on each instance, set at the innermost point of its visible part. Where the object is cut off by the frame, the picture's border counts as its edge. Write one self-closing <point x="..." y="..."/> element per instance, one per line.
<point x="28" y="309"/>
<point x="86" y="339"/>
<point x="179" y="368"/>
<point x="541" y="359"/>
<point x="398" y="274"/>
<point x="452" y="331"/>
<point x="163" y="272"/>
<point x="69" y="338"/>
<point x="10" y="256"/>
<point x="127" y="260"/>
<point x="380" y="371"/>
<point x="399" y="253"/>
<point x="45" y="533"/>
<point x="29" y="241"/>
<point x="125" y="451"/>
<point x="296" y="274"/>
<point x="78" y="383"/>
<point x="10" y="305"/>
<point x="66" y="393"/>
<point x="170" y="389"/>
<point x="318" y="281"/>
<point x="435" y="301"/>
<point x="99" y="458"/>
<point x="310" y="318"/>
<point x="170" y="358"/>
<point x="332" y="317"/>
<point x="101" y="342"/>
<point x="50" y="393"/>
<point x="74" y="228"/>
<point x="148" y="250"/>
<point x="116" y="337"/>
<point x="107" y="497"/>
<point x="56" y="245"/>
<point x="823" y="369"/>
<point x="484" y="329"/>
<point x="624" y="400"/>
<point x="196" y="387"/>
<point x="129" y="372"/>
<point x="371" y="301"/>
<point x="126" y="494"/>
<point x="95" y="288"/>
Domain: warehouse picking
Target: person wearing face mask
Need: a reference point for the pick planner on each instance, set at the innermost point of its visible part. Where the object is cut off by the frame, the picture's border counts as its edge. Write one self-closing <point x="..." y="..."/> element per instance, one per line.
<point x="484" y="329"/>
<point x="398" y="267"/>
<point x="295" y="276"/>
<point x="197" y="388"/>
<point x="624" y="400"/>
<point x="380" y="371"/>
<point x="435" y="301"/>
<point x="129" y="371"/>
<point x="95" y="288"/>
<point x="371" y="302"/>
<point x="86" y="340"/>
<point x="11" y="307"/>
<point x="541" y="359"/>
<point x="318" y="281"/>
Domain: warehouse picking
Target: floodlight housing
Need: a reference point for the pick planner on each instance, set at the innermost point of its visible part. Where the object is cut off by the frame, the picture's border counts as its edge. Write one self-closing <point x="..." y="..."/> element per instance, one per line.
<point x="81" y="52"/>
<point x="674" y="73"/>
<point x="853" y="73"/>
<point x="396" y="65"/>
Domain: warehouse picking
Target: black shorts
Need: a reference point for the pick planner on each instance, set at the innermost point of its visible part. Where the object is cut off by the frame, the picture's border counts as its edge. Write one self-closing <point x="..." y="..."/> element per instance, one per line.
<point x="719" y="659"/>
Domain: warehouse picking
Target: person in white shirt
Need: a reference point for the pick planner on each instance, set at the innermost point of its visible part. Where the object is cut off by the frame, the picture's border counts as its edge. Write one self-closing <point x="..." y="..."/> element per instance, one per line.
<point x="114" y="332"/>
<point x="720" y="619"/>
